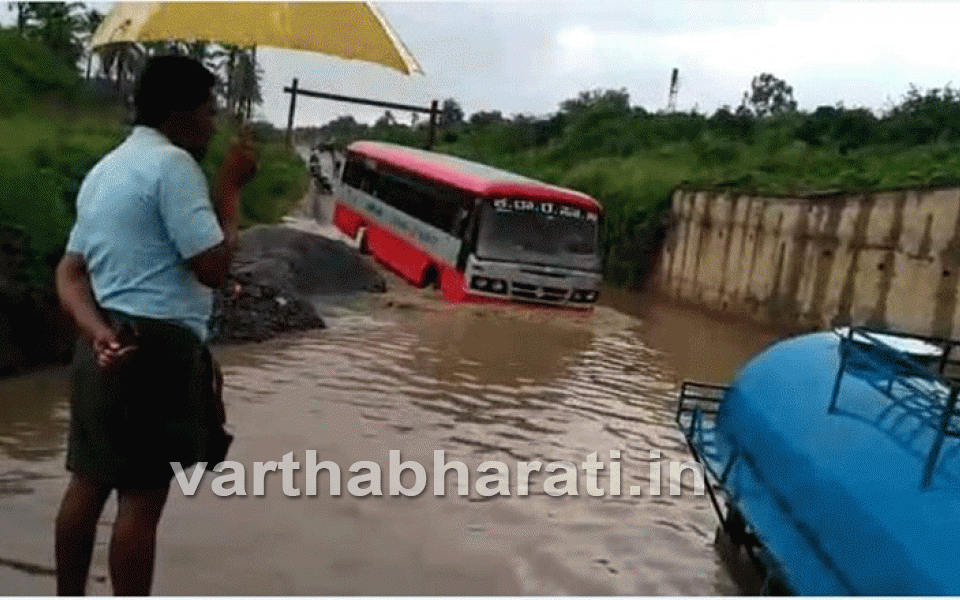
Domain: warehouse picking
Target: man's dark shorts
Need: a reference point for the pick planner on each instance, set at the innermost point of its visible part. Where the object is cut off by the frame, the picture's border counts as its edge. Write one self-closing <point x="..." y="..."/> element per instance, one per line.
<point x="128" y="422"/>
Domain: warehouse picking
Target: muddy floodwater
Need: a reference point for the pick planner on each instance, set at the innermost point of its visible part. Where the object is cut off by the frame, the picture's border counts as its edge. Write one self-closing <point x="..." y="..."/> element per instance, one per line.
<point x="405" y="371"/>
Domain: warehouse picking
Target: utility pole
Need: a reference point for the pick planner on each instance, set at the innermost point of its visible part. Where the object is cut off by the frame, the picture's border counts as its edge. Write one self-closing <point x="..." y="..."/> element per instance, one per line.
<point x="674" y="87"/>
<point x="293" y="108"/>
<point x="432" y="131"/>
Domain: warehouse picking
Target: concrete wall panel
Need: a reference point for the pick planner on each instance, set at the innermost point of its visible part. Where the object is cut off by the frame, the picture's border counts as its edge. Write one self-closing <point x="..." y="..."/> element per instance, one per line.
<point x="890" y="259"/>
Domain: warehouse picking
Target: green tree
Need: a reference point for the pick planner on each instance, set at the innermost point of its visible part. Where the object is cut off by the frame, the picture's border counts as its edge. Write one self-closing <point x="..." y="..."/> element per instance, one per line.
<point x="385" y="121"/>
<point x="925" y="117"/>
<point x="342" y="130"/>
<point x="769" y="96"/>
<point x="451" y="114"/>
<point x="484" y="118"/>
<point x="57" y="25"/>
<point x="597" y="101"/>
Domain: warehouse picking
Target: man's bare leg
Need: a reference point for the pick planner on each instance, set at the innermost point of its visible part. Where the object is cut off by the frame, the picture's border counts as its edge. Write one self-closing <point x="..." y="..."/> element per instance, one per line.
<point x="134" y="541"/>
<point x="76" y="532"/>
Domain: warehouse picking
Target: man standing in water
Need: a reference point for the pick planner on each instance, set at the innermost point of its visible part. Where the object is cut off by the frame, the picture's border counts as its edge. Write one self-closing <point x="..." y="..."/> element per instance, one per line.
<point x="146" y="249"/>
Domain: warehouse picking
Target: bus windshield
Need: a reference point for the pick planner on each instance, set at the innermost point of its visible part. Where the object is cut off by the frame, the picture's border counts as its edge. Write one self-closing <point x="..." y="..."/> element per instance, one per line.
<point x="542" y="233"/>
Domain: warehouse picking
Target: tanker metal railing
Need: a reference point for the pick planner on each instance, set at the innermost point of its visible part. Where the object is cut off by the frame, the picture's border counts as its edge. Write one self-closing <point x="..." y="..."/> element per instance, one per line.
<point x="922" y="388"/>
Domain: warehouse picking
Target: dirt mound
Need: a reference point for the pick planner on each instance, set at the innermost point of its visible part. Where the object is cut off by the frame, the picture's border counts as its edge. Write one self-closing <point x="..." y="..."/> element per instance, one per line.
<point x="274" y="273"/>
<point x="308" y="263"/>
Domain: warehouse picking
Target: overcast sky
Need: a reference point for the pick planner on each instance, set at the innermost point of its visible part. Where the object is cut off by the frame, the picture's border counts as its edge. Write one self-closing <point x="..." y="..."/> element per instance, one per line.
<point x="527" y="57"/>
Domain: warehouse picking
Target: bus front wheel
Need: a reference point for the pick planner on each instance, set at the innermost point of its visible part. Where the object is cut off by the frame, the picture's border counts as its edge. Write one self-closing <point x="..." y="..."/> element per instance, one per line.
<point x="361" y="241"/>
<point x="431" y="278"/>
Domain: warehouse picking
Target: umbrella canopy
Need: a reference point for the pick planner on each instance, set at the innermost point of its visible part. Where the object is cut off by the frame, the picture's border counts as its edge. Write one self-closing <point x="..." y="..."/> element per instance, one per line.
<point x="350" y="30"/>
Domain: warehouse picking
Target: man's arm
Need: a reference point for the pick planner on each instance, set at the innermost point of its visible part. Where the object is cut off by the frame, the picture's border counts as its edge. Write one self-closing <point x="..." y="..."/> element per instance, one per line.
<point x="210" y="267"/>
<point x="238" y="168"/>
<point x="76" y="296"/>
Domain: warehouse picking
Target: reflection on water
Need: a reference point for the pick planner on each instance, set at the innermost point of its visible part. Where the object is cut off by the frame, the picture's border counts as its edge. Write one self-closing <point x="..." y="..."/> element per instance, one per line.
<point x="701" y="346"/>
<point x="33" y="416"/>
<point x="410" y="373"/>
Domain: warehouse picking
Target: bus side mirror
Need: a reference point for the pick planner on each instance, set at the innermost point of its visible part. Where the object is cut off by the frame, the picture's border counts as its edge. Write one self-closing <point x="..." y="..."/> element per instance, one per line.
<point x="460" y="221"/>
<point x="469" y="236"/>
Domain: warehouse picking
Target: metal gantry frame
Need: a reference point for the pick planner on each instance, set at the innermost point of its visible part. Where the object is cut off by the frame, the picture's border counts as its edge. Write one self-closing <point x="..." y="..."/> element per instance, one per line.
<point x="433" y="110"/>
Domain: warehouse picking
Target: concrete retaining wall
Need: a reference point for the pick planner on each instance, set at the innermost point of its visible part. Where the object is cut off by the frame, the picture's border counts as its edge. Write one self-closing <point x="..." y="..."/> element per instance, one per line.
<point x="889" y="259"/>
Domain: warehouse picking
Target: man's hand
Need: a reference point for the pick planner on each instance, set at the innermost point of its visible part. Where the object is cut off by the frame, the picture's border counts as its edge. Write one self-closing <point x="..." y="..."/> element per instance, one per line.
<point x="76" y="296"/>
<point x="109" y="349"/>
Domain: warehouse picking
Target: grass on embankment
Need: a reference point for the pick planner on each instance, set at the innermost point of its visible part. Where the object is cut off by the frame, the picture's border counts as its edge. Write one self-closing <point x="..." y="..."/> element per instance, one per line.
<point x="46" y="151"/>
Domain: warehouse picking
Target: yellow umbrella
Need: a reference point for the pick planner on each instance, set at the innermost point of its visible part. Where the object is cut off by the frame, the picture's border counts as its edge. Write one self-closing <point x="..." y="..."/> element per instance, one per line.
<point x="350" y="30"/>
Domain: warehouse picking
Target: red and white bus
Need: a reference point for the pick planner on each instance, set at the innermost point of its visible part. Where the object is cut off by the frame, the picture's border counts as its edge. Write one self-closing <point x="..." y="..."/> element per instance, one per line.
<point x="474" y="231"/>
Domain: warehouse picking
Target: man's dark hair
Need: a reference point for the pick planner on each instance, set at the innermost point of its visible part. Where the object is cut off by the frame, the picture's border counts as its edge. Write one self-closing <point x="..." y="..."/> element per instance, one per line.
<point x="170" y="83"/>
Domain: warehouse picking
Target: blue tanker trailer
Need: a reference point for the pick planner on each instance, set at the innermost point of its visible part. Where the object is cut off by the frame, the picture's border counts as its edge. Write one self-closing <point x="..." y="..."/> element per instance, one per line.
<point x="833" y="461"/>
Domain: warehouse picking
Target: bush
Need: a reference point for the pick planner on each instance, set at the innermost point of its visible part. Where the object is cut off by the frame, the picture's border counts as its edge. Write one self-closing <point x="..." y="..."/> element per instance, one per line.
<point x="29" y="72"/>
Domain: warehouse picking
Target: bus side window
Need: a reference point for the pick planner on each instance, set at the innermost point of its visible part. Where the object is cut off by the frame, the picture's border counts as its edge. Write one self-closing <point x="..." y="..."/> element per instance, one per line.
<point x="450" y="211"/>
<point x="395" y="193"/>
<point x="361" y="177"/>
<point x="351" y="172"/>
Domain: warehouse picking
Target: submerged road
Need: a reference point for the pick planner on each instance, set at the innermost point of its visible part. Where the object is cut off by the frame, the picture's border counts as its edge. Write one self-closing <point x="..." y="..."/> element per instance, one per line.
<point x="405" y="371"/>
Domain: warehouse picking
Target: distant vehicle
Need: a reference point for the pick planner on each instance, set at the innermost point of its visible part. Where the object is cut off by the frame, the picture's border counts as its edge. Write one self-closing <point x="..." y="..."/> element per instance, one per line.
<point x="475" y="232"/>
<point x="837" y="457"/>
<point x="323" y="183"/>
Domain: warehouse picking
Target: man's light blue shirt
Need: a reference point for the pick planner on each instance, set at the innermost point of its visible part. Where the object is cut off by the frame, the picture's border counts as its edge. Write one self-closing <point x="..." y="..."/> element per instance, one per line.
<point x="142" y="211"/>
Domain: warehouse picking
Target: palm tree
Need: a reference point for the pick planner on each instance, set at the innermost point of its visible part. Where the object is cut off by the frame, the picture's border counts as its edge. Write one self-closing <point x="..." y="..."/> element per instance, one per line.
<point x="57" y="25"/>
<point x="244" y="80"/>
<point x="222" y="61"/>
<point x="22" y="15"/>
<point x="238" y="72"/>
<point x="89" y="21"/>
<point x="121" y="62"/>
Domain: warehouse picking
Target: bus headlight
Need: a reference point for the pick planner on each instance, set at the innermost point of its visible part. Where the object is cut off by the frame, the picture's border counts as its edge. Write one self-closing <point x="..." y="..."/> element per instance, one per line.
<point x="489" y="284"/>
<point x="584" y="295"/>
